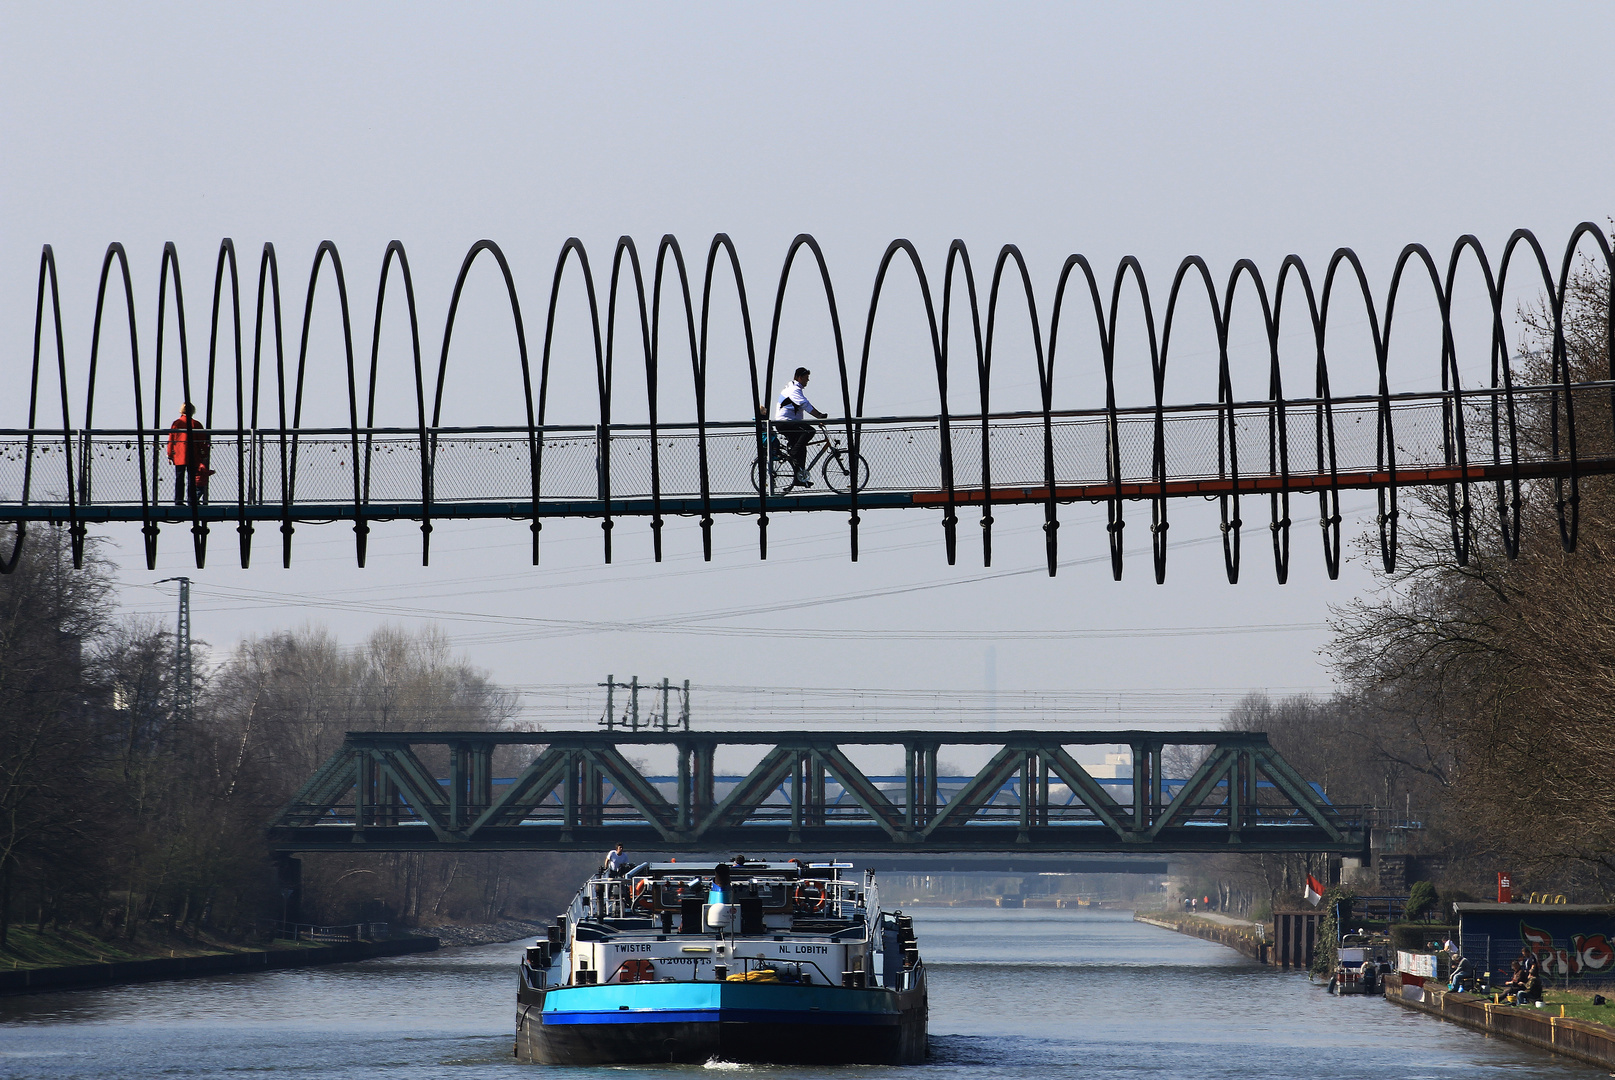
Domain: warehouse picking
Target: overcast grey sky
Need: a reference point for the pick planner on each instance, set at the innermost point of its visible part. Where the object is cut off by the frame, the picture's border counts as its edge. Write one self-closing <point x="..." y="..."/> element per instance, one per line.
<point x="1155" y="130"/>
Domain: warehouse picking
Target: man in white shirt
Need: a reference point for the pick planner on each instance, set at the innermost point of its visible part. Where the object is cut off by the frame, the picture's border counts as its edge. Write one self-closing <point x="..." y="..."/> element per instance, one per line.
<point x="616" y="861"/>
<point x="788" y="421"/>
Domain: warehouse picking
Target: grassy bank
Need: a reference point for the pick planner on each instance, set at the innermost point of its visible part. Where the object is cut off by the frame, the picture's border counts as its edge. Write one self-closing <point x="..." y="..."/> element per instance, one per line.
<point x="28" y="949"/>
<point x="1574" y="1004"/>
<point x="1578" y="1004"/>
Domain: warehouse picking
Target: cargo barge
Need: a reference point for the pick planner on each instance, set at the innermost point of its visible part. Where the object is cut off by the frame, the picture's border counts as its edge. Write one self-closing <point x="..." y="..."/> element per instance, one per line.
<point x="752" y="962"/>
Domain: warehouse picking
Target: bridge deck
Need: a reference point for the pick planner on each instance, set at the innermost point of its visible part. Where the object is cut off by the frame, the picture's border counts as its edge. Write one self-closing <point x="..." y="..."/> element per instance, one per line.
<point x="1272" y="449"/>
<point x="1301" y="483"/>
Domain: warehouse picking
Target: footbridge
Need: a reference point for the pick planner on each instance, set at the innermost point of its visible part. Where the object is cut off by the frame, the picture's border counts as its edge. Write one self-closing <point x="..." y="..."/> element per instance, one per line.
<point x="1274" y="441"/>
<point x="584" y="791"/>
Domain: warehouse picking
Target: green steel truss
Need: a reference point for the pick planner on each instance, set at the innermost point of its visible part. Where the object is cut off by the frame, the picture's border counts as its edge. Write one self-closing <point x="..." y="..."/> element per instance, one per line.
<point x="580" y="791"/>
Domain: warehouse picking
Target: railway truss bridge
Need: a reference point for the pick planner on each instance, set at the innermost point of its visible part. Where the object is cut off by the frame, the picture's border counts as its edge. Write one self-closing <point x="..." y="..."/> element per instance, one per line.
<point x="582" y="791"/>
<point x="1482" y="445"/>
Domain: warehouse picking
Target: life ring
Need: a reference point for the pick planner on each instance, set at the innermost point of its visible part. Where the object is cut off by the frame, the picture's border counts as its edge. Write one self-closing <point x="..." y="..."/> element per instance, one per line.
<point x="640" y="892"/>
<point x="809" y="897"/>
<point x="636" y="971"/>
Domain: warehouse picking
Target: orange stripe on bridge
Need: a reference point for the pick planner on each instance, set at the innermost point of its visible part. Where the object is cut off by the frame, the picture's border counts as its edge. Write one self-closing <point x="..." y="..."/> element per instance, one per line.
<point x="1270" y="483"/>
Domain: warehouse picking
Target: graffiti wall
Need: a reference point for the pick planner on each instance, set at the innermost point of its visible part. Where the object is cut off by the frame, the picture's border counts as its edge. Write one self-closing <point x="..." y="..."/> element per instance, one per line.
<point x="1584" y="953"/>
<point x="1570" y="941"/>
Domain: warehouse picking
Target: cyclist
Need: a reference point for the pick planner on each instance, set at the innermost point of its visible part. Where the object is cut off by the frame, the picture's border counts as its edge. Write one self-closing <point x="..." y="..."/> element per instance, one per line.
<point x="789" y="422"/>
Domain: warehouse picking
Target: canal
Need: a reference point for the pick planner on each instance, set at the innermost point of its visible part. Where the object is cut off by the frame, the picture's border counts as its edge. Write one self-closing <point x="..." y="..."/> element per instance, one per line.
<point x="1035" y="994"/>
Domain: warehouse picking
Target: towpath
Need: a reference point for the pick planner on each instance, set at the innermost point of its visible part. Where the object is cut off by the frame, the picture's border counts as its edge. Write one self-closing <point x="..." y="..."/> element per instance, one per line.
<point x="1226" y="920"/>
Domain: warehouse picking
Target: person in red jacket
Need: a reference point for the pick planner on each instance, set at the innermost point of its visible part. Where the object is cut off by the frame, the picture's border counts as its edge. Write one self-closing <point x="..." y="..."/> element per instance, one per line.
<point x="187" y="449"/>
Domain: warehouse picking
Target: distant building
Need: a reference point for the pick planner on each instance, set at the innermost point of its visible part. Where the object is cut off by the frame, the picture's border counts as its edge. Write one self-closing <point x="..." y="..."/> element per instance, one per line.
<point x="1115" y="767"/>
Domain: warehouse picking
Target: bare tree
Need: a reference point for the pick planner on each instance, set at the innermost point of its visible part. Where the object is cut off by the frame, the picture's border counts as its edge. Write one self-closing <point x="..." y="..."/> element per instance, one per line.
<point x="49" y="722"/>
<point x="1499" y="671"/>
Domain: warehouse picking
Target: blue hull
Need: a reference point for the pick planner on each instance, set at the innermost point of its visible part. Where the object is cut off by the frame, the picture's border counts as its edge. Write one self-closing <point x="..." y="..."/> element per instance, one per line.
<point x="639" y="1023"/>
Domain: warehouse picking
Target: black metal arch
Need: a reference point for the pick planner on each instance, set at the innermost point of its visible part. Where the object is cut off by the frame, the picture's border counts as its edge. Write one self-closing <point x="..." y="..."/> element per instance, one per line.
<point x="289" y="491"/>
<point x="670" y="245"/>
<point x="721" y="242"/>
<point x="226" y="260"/>
<point x="1324" y="445"/>
<point x="602" y="376"/>
<point x="47" y="272"/>
<point x="535" y="445"/>
<point x="950" y="517"/>
<point x="116" y="252"/>
<point x="804" y="240"/>
<point x="395" y="249"/>
<point x="269" y="289"/>
<point x="625" y="246"/>
<point x="960" y="255"/>
<point x="1130" y="265"/>
<point x="1045" y="381"/>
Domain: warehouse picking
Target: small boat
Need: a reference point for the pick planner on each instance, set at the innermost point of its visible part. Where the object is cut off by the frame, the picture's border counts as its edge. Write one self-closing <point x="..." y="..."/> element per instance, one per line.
<point x="1357" y="966"/>
<point x="753" y="962"/>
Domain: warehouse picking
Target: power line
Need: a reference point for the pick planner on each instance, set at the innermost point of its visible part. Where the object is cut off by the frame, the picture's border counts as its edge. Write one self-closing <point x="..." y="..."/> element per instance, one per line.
<point x="685" y="623"/>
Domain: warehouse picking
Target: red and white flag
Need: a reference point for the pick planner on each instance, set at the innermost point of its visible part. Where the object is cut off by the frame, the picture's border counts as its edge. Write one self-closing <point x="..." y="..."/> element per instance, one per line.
<point x="1314" y="893"/>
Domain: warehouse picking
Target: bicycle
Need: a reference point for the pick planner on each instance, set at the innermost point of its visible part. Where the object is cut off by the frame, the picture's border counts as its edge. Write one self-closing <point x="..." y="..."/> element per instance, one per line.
<point x="781" y="479"/>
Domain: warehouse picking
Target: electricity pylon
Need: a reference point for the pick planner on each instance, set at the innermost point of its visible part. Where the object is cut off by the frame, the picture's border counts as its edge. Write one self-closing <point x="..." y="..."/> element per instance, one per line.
<point x="184" y="678"/>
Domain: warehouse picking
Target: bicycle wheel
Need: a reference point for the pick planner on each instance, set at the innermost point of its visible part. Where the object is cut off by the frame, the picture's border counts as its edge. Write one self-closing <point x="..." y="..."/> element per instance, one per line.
<point x="781" y="477"/>
<point x="835" y="473"/>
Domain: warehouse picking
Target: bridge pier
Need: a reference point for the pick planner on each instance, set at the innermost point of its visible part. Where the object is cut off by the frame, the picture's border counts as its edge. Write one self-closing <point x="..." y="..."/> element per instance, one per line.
<point x="288" y="871"/>
<point x="930" y="801"/>
<point x="594" y="787"/>
<point x="569" y="799"/>
<point x="1295" y="936"/>
<point x="1042" y="790"/>
<point x="816" y="792"/>
<point x="695" y="782"/>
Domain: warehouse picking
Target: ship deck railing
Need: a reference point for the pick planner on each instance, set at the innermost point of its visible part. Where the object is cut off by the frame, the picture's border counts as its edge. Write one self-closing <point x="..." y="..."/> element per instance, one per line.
<point x="612" y="894"/>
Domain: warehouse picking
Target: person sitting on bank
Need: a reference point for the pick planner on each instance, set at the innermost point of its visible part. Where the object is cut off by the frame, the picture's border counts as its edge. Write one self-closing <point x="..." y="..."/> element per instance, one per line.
<point x="1532" y="990"/>
<point x="1530" y="964"/>
<point x="1462" y="974"/>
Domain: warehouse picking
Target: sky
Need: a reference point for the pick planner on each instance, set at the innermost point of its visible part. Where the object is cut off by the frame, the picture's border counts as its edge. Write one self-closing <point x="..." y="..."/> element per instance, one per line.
<point x="1227" y="131"/>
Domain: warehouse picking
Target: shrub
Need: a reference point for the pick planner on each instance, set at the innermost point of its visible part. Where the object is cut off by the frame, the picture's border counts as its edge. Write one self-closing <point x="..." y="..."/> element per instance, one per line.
<point x="1407" y="937"/>
<point x="1336" y="899"/>
<point x="1422" y="900"/>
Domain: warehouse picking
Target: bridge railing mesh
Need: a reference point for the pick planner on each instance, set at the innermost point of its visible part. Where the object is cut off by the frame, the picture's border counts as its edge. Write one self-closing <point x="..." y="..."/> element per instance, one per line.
<point x="1205" y="442"/>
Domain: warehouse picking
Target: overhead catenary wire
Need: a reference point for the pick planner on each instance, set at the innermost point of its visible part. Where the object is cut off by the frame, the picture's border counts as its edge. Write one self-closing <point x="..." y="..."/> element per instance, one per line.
<point x="708" y="622"/>
<point x="728" y="706"/>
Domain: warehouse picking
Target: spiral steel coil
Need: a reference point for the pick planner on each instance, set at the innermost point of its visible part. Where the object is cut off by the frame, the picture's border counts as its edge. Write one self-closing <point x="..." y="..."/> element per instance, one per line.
<point x="946" y="460"/>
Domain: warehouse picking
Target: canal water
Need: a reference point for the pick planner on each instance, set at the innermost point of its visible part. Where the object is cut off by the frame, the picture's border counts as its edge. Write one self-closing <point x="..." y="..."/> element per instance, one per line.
<point x="1041" y="995"/>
